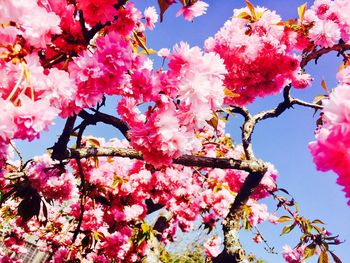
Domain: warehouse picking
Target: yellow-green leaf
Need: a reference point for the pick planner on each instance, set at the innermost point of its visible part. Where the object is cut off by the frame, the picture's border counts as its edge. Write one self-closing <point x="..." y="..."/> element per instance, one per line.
<point x="145" y="228"/>
<point x="148" y="51"/>
<point x="284" y="219"/>
<point x="243" y="15"/>
<point x="309" y="251"/>
<point x="287" y="229"/>
<point x="301" y="11"/>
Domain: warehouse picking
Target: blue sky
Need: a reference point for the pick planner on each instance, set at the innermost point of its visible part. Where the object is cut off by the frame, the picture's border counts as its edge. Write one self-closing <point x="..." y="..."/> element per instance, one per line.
<point x="282" y="141"/>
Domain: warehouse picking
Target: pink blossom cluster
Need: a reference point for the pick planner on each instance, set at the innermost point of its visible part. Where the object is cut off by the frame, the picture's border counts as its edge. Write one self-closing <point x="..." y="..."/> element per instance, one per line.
<point x="51" y="66"/>
<point x="39" y="78"/>
<point x="49" y="180"/>
<point x="103" y="72"/>
<point x="330" y="150"/>
<point x="251" y="50"/>
<point x="330" y="22"/>
<point x="184" y="98"/>
<point x="115" y="202"/>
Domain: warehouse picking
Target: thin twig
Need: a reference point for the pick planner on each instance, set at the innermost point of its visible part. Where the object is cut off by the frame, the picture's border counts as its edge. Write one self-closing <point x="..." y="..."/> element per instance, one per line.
<point x="17" y="152"/>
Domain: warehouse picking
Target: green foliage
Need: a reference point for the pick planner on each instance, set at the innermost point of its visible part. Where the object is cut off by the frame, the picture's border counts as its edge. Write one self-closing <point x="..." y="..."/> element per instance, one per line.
<point x="192" y="254"/>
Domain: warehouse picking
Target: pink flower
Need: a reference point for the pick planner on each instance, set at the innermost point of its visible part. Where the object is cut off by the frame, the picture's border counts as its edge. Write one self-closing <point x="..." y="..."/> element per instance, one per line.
<point x="151" y="17"/>
<point x="325" y="33"/>
<point x="128" y="18"/>
<point x="191" y="11"/>
<point x="97" y="11"/>
<point x="213" y="246"/>
<point x="293" y="255"/>
<point x="257" y="238"/>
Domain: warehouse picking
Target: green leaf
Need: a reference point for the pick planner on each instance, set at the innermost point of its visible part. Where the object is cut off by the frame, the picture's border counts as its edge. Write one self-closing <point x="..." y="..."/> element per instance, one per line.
<point x="323" y="258"/>
<point x="287" y="229"/>
<point x="335" y="258"/>
<point x="309" y="251"/>
<point x="284" y="219"/>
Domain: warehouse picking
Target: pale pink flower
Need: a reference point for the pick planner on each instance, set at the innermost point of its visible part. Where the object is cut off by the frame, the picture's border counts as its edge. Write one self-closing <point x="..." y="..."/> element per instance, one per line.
<point x="343" y="76"/>
<point x="191" y="11"/>
<point x="163" y="52"/>
<point x="40" y="28"/>
<point x="258" y="212"/>
<point x="273" y="219"/>
<point x="133" y="212"/>
<point x="151" y="17"/>
<point x="213" y="246"/>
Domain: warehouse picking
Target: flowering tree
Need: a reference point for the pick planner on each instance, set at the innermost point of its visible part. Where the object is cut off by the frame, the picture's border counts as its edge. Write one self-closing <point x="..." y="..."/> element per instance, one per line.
<point x="89" y="200"/>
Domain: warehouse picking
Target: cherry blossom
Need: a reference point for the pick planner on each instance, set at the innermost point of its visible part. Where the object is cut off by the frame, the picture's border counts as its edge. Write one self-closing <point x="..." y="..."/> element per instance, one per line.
<point x="151" y="17"/>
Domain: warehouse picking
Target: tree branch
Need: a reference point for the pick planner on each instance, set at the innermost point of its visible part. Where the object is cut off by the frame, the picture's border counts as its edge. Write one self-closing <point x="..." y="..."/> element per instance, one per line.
<point x="60" y="147"/>
<point x="186" y="160"/>
<point x="93" y="119"/>
<point x="82" y="200"/>
<point x="341" y="47"/>
<point x="287" y="103"/>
